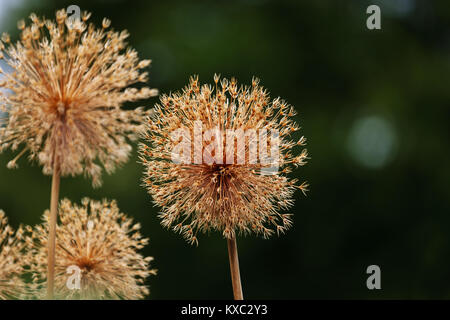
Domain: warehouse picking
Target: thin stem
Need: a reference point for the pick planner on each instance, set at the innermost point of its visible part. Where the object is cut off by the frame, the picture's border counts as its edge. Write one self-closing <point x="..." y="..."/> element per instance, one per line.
<point x="52" y="231"/>
<point x="234" y="269"/>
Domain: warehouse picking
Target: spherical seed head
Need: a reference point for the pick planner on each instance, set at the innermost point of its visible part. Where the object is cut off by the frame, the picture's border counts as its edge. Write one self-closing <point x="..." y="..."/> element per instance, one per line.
<point x="13" y="260"/>
<point x="100" y="243"/>
<point x="232" y="187"/>
<point x="65" y="92"/>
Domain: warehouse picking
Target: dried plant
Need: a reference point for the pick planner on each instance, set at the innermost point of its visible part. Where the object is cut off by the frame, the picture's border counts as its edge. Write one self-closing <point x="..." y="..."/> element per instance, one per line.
<point x="67" y="85"/>
<point x="225" y="197"/>
<point x="63" y="100"/>
<point x="13" y="259"/>
<point x="103" y="243"/>
<point x="209" y="195"/>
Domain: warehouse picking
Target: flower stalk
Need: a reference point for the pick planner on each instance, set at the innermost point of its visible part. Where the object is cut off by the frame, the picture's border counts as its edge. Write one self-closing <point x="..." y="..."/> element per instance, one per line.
<point x="234" y="269"/>
<point x="52" y="231"/>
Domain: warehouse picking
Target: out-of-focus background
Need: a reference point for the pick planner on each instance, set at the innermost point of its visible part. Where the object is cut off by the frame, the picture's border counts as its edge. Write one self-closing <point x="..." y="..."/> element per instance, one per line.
<point x="374" y="105"/>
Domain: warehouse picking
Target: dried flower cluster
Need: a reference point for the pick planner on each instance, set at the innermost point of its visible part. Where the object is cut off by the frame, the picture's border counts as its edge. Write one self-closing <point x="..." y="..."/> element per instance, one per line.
<point x="103" y="243"/>
<point x="64" y="95"/>
<point x="227" y="197"/>
<point x="13" y="260"/>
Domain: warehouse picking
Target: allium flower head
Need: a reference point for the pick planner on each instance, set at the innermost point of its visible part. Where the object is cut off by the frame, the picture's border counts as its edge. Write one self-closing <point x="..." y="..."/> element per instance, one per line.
<point x="230" y="187"/>
<point x="13" y="259"/>
<point x="99" y="242"/>
<point x="63" y="95"/>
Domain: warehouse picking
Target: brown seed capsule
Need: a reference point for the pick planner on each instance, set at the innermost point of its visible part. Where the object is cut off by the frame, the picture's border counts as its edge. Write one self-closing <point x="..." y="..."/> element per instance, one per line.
<point x="65" y="96"/>
<point x="100" y="243"/>
<point x="200" y="193"/>
<point x="13" y="258"/>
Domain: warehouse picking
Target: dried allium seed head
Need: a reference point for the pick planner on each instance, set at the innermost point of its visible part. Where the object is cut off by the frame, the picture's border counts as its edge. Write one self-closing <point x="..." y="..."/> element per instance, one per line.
<point x="13" y="259"/>
<point x="64" y="95"/>
<point x="100" y="242"/>
<point x="204" y="195"/>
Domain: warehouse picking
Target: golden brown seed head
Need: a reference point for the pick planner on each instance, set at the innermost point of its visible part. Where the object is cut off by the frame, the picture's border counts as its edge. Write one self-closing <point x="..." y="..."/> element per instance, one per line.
<point x="100" y="242"/>
<point x="64" y="92"/>
<point x="229" y="197"/>
<point x="13" y="260"/>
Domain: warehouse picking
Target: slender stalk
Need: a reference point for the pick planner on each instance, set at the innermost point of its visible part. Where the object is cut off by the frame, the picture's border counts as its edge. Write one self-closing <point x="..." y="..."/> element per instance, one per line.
<point x="52" y="231"/>
<point x="234" y="269"/>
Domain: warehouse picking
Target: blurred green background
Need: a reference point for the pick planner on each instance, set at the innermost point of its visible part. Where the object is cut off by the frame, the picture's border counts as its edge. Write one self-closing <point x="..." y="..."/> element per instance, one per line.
<point x="374" y="106"/>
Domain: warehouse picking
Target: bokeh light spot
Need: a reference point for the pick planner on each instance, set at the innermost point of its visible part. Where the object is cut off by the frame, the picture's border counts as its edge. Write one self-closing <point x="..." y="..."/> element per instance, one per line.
<point x="372" y="141"/>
